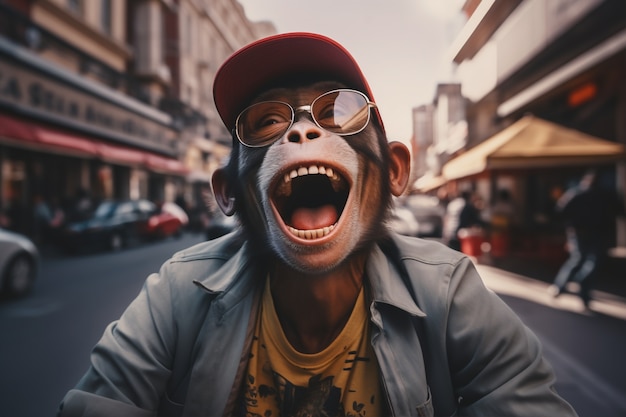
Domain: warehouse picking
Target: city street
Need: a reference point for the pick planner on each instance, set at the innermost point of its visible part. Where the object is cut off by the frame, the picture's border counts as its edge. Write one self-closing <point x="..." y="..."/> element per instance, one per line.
<point x="47" y="336"/>
<point x="585" y="348"/>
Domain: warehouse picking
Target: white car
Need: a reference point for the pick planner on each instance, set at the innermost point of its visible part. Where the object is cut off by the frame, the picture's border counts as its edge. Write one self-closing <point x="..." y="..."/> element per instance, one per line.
<point x="19" y="263"/>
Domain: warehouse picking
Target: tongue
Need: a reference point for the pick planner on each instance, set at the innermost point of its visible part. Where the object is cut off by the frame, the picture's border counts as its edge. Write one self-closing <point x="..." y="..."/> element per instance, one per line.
<point x="314" y="218"/>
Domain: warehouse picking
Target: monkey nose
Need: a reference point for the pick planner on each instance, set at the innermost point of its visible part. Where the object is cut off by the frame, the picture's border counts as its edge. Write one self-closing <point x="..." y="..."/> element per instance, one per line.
<point x="302" y="131"/>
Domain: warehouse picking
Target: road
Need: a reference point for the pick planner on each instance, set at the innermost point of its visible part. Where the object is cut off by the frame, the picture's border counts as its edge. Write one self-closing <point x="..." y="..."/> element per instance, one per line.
<point x="585" y="348"/>
<point x="47" y="337"/>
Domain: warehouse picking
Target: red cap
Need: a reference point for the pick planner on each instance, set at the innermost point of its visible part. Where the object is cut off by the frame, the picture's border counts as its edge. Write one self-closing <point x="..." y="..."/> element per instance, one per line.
<point x="264" y="62"/>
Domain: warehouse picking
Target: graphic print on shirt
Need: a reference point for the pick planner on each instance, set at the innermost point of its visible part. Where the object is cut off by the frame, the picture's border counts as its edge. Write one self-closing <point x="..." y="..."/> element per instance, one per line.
<point x="319" y="398"/>
<point x="340" y="381"/>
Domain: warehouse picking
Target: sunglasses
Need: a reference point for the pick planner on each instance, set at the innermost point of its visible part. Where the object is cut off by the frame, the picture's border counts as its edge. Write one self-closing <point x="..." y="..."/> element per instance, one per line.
<point x="342" y="112"/>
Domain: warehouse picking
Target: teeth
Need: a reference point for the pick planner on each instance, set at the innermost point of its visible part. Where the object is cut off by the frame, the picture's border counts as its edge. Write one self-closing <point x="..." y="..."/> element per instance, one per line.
<point x="312" y="170"/>
<point x="312" y="234"/>
<point x="285" y="188"/>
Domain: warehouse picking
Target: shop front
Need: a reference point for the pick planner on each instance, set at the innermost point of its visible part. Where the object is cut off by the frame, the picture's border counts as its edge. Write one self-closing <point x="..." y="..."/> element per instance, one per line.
<point x="536" y="161"/>
<point x="63" y="137"/>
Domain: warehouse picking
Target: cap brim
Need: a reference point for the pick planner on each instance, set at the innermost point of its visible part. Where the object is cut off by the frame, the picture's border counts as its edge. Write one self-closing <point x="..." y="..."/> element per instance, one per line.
<point x="264" y="62"/>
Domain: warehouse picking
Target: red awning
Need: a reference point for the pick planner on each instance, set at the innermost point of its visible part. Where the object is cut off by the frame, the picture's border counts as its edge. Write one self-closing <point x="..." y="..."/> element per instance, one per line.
<point x="118" y="154"/>
<point x="12" y="128"/>
<point x="20" y="133"/>
<point x="64" y="141"/>
<point x="160" y="163"/>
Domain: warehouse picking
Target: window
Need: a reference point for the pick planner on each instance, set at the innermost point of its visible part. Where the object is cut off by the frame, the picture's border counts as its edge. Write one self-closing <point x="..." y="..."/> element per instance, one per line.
<point x="105" y="16"/>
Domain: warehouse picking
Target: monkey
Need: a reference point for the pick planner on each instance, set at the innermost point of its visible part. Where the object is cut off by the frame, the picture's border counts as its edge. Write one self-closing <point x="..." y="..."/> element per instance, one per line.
<point x="313" y="202"/>
<point x="313" y="306"/>
<point x="366" y="172"/>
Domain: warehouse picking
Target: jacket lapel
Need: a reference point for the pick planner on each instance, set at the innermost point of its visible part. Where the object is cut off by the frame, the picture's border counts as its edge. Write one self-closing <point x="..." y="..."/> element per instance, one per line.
<point x="395" y="337"/>
<point x="220" y="345"/>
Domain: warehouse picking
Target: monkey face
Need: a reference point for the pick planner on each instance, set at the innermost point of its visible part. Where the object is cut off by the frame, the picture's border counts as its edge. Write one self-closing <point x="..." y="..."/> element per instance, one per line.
<point x="312" y="196"/>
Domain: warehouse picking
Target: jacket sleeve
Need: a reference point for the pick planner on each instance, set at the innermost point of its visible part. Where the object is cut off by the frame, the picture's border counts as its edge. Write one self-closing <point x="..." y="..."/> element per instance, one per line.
<point x="496" y="362"/>
<point x="131" y="363"/>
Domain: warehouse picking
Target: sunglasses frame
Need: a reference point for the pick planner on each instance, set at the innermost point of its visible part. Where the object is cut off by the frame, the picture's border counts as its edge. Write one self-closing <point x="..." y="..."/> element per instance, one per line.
<point x="306" y="108"/>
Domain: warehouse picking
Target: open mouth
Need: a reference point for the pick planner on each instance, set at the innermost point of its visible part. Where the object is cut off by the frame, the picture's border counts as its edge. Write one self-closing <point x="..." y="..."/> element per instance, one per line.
<point x="310" y="200"/>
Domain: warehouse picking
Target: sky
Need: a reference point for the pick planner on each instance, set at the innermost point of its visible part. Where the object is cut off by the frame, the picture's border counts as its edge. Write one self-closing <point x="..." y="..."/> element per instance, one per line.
<point x="400" y="45"/>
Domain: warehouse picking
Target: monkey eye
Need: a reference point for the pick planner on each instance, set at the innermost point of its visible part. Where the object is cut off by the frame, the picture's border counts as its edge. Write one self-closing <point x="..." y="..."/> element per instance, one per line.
<point x="311" y="199"/>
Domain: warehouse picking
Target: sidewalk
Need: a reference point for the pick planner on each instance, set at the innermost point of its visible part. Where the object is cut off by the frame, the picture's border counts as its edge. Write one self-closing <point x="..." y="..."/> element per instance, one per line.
<point x="582" y="345"/>
<point x="530" y="280"/>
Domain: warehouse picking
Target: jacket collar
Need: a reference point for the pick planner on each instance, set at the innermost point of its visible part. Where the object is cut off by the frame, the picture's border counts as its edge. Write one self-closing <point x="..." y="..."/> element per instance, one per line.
<point x="234" y="277"/>
<point x="387" y="286"/>
<point x="231" y="281"/>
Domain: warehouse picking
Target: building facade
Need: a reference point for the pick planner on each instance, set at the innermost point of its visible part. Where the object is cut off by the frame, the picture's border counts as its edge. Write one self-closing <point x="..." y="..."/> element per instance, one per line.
<point x="440" y="131"/>
<point x="209" y="32"/>
<point x="555" y="66"/>
<point x="111" y="98"/>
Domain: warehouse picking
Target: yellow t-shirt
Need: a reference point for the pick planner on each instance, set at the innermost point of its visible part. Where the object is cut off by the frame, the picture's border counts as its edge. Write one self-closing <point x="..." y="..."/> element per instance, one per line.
<point x="342" y="380"/>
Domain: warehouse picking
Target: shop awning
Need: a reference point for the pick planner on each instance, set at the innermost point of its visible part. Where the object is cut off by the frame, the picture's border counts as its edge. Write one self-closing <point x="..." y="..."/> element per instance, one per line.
<point x="120" y="155"/>
<point x="534" y="143"/>
<point x="165" y="165"/>
<point x="428" y="183"/>
<point x="34" y="136"/>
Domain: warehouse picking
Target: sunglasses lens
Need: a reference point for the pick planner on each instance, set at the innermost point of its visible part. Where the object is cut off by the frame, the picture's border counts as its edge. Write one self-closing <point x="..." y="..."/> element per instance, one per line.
<point x="344" y="112"/>
<point x="263" y="123"/>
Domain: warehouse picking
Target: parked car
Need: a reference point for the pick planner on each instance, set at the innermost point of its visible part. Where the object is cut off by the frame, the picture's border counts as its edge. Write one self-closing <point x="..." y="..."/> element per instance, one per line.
<point x="167" y="220"/>
<point x="429" y="213"/>
<point x="19" y="264"/>
<point x="113" y="225"/>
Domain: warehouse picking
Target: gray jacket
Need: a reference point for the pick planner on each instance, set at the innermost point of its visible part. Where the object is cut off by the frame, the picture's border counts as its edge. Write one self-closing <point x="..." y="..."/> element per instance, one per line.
<point x="445" y="344"/>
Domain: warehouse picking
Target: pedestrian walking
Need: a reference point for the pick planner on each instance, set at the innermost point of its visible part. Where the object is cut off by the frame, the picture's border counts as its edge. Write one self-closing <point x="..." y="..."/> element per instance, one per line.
<point x="589" y="212"/>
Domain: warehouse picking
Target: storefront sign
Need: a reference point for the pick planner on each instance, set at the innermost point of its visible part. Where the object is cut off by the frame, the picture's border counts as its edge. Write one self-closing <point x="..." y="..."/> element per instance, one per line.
<point x="40" y="96"/>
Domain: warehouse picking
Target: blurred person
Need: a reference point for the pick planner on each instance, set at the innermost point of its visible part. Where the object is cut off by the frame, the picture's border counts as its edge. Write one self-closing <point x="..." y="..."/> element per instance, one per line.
<point x="589" y="212"/>
<point x="471" y="213"/>
<point x="42" y="216"/>
<point x="313" y="307"/>
<point x="48" y="219"/>
<point x="472" y="227"/>
<point x="503" y="211"/>
<point x="461" y="213"/>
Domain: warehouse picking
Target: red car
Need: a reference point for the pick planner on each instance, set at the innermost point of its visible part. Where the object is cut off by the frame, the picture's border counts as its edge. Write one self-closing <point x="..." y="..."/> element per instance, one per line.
<point x="167" y="220"/>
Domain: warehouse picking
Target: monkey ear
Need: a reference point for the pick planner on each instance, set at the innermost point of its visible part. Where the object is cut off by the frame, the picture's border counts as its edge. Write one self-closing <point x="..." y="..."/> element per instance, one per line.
<point x="399" y="167"/>
<point x="222" y="192"/>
